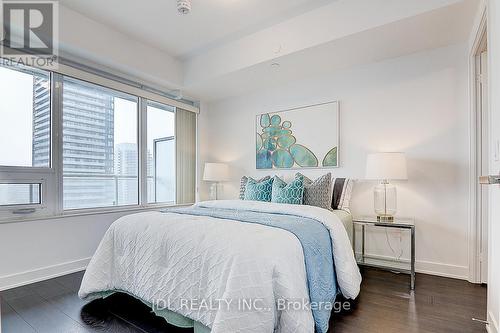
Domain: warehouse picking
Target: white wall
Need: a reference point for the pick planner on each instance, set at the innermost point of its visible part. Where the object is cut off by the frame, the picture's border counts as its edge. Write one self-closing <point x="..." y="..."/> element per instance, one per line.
<point x="39" y="249"/>
<point x="417" y="104"/>
<point x="98" y="45"/>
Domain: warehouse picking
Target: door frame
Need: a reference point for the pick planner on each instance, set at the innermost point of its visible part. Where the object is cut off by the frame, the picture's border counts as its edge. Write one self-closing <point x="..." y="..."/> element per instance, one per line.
<point x="477" y="218"/>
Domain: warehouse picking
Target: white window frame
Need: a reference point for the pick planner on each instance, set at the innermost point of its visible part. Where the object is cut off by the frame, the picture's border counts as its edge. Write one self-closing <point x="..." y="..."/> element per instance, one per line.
<point x="20" y="209"/>
<point x="51" y="177"/>
<point x="30" y="175"/>
<point x="47" y="205"/>
<point x="144" y="177"/>
<point x="74" y="211"/>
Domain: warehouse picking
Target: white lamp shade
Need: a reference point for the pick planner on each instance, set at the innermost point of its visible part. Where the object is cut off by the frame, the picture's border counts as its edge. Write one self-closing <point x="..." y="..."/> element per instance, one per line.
<point x="386" y="166"/>
<point x="216" y="172"/>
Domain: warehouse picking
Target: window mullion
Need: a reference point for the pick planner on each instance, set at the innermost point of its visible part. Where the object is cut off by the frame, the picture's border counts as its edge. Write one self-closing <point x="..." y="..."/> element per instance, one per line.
<point x="143" y="152"/>
<point x="57" y="141"/>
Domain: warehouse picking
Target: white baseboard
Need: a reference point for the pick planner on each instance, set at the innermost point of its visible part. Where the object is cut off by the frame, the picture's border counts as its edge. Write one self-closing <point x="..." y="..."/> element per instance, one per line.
<point x="43" y="273"/>
<point x="445" y="270"/>
<point x="432" y="268"/>
<point x="493" y="326"/>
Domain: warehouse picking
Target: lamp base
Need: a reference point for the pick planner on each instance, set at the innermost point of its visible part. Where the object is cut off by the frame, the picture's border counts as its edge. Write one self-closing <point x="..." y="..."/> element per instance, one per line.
<point x="385" y="218"/>
<point x="385" y="201"/>
<point x="214" y="190"/>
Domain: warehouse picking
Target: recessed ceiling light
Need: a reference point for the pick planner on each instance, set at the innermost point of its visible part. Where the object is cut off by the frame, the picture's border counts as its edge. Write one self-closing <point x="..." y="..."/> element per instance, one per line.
<point x="184" y="6"/>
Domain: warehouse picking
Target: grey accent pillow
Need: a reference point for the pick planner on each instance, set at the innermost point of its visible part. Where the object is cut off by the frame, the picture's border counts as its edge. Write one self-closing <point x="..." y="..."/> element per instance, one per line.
<point x="243" y="184"/>
<point x="317" y="193"/>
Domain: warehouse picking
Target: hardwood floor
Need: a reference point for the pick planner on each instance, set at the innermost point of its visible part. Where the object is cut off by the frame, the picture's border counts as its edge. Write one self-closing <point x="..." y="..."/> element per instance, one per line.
<point x="437" y="305"/>
<point x="385" y="305"/>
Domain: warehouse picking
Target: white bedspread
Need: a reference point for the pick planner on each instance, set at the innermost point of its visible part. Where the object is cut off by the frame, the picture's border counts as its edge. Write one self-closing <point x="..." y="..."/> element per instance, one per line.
<point x="189" y="261"/>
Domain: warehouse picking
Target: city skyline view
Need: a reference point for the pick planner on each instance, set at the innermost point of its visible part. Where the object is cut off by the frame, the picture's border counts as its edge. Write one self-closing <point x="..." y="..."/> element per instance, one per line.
<point x="100" y="140"/>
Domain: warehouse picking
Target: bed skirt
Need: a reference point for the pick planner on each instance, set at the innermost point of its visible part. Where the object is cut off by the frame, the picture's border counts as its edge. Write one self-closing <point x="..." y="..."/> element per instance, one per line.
<point x="171" y="317"/>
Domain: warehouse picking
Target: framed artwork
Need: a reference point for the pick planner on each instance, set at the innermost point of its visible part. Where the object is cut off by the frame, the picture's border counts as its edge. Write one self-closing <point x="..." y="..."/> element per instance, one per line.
<point x="305" y="137"/>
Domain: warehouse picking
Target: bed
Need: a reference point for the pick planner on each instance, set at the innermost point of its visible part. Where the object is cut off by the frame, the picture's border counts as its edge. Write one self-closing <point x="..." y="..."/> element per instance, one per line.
<point x="230" y="265"/>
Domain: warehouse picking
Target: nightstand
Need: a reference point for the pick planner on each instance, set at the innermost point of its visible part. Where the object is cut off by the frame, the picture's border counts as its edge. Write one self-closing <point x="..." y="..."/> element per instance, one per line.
<point x="397" y="266"/>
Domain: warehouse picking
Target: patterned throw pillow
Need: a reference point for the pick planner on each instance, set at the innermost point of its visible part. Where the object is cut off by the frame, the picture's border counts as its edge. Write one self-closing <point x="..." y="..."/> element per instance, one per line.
<point x="342" y="190"/>
<point x="317" y="193"/>
<point x="243" y="184"/>
<point x="291" y="193"/>
<point x="259" y="191"/>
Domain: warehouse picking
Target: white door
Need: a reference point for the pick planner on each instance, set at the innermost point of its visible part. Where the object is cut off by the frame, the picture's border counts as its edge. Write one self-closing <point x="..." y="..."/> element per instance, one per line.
<point x="494" y="165"/>
<point x="485" y="160"/>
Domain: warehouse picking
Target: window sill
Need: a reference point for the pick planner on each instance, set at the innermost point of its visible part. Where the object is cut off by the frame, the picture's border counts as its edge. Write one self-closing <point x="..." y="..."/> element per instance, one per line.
<point x="90" y="211"/>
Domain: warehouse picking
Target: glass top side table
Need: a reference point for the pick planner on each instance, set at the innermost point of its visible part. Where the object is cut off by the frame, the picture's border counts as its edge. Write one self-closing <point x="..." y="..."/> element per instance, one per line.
<point x="397" y="266"/>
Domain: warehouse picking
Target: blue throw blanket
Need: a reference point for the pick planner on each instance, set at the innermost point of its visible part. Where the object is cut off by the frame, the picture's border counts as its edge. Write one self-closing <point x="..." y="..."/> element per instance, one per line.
<point x="316" y="244"/>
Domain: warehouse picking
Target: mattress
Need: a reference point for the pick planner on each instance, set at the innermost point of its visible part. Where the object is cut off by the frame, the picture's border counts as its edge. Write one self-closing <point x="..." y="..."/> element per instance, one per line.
<point x="346" y="219"/>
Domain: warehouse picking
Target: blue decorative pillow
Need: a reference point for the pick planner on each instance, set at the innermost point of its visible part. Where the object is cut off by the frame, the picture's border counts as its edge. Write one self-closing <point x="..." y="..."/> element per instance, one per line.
<point x="259" y="191"/>
<point x="288" y="193"/>
<point x="243" y="185"/>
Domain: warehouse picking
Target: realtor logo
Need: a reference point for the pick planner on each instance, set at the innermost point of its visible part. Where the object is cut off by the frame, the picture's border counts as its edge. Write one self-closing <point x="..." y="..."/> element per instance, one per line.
<point x="30" y="32"/>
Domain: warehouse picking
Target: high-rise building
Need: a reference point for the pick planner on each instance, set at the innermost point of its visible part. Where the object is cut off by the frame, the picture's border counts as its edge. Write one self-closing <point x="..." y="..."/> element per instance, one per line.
<point x="88" y="123"/>
<point x="88" y="146"/>
<point x="41" y="121"/>
<point x="126" y="171"/>
<point x="88" y="141"/>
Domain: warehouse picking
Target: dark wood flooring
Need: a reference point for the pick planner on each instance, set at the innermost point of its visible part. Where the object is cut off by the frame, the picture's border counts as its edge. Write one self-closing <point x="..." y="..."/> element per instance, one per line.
<point x="385" y="305"/>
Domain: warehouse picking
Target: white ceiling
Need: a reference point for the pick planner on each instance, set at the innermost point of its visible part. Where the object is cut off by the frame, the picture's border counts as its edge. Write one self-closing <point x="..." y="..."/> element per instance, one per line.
<point x="210" y="23"/>
<point x="224" y="48"/>
<point x="446" y="26"/>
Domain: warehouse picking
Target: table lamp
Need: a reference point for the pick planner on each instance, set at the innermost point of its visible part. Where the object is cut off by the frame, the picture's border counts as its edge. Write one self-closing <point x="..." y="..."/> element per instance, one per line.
<point x="216" y="173"/>
<point x="385" y="167"/>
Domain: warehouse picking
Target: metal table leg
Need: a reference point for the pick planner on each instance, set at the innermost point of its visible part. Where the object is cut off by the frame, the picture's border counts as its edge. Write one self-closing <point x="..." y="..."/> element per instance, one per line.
<point x="363" y="243"/>
<point x="354" y="240"/>
<point x="412" y="283"/>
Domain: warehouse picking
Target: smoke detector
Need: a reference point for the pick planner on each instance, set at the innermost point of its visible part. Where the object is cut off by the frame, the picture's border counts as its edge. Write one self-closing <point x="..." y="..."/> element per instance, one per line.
<point x="184" y="6"/>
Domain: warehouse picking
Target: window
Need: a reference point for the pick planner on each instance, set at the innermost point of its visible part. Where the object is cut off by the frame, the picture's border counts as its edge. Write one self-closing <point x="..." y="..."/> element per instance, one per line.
<point x="100" y="151"/>
<point x="161" y="153"/>
<point x="109" y="144"/>
<point x="20" y="194"/>
<point x="25" y="116"/>
<point x="25" y="141"/>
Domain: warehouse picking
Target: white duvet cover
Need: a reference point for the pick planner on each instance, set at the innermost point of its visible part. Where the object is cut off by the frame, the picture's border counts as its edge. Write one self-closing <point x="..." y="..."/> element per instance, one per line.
<point x="224" y="274"/>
